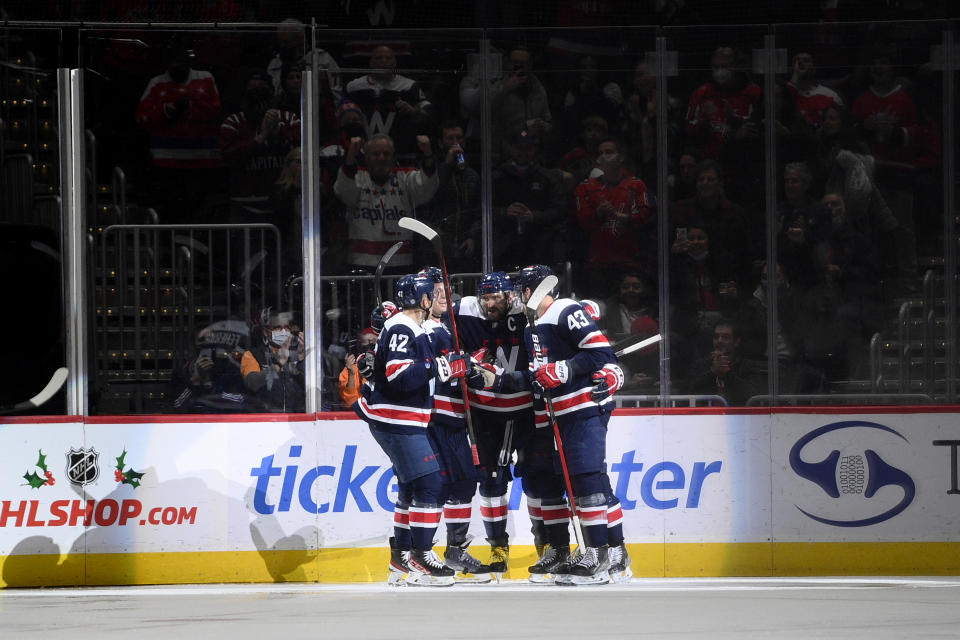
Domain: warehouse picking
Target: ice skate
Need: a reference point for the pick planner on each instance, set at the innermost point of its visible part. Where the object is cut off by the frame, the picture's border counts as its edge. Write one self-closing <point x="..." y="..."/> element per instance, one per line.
<point x="469" y="569"/>
<point x="553" y="557"/>
<point x="620" y="570"/>
<point x="399" y="565"/>
<point x="427" y="570"/>
<point x="499" y="557"/>
<point x="589" y="568"/>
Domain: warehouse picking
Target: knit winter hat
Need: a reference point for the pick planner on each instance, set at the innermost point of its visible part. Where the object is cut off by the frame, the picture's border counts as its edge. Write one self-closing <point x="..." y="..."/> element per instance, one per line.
<point x="346" y="106"/>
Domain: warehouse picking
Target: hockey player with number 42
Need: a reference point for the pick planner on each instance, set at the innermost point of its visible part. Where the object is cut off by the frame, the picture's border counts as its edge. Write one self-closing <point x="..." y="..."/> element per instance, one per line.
<point x="397" y="404"/>
<point x="573" y="362"/>
<point x="449" y="435"/>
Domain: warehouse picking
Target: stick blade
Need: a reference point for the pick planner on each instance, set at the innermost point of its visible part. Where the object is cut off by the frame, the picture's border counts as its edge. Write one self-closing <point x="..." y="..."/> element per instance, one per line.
<point x="638" y="345"/>
<point x="59" y="377"/>
<point x="543" y="289"/>
<point x="419" y="228"/>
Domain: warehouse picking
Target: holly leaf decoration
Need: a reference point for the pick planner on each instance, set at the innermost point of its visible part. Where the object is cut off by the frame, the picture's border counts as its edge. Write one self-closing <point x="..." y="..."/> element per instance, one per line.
<point x="120" y="460"/>
<point x="132" y="478"/>
<point x="34" y="479"/>
<point x="42" y="461"/>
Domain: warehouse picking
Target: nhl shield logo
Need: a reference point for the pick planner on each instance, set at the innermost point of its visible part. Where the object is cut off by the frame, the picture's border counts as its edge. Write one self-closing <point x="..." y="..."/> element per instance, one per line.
<point x="82" y="468"/>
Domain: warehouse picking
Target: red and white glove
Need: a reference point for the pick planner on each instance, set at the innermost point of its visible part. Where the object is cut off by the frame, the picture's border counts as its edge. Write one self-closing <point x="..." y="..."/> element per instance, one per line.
<point x="553" y="374"/>
<point x="592" y="309"/>
<point x="606" y="382"/>
<point x="479" y="355"/>
<point x="451" y="366"/>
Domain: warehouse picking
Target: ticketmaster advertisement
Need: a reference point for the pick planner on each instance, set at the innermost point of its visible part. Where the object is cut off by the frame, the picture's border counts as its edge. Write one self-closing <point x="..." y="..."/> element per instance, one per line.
<point x="261" y="499"/>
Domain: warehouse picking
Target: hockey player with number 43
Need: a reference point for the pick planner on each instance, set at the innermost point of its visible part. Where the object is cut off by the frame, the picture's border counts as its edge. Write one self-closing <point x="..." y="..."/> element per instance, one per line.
<point x="573" y="362"/>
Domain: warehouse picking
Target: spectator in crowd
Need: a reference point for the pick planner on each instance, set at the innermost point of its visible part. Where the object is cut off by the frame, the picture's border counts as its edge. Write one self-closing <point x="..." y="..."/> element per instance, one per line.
<point x="866" y="211"/>
<point x="578" y="163"/>
<point x="286" y="201"/>
<point x="290" y="96"/>
<point x="471" y="98"/>
<point x="455" y="209"/>
<point x="273" y="369"/>
<point x="891" y="123"/>
<point x="615" y="210"/>
<point x="796" y="375"/>
<point x="726" y="372"/>
<point x="743" y="155"/>
<point x="289" y="57"/>
<point x="634" y="301"/>
<point x="527" y="206"/>
<point x="703" y="284"/>
<point x="519" y="100"/>
<point x="254" y="143"/>
<point x="333" y="151"/>
<point x="393" y="104"/>
<point x="804" y="221"/>
<point x="211" y="381"/>
<point x="682" y="183"/>
<point x="722" y="107"/>
<point x="350" y="379"/>
<point x="180" y="111"/>
<point x="727" y="221"/>
<point x="377" y="195"/>
<point x="811" y="98"/>
<point x="851" y="260"/>
<point x="639" y="124"/>
<point x="588" y="96"/>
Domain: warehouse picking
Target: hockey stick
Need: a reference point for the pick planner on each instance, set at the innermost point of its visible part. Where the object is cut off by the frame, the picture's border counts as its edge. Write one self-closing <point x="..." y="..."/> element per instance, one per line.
<point x="419" y="228"/>
<point x="629" y="345"/>
<point x="545" y="287"/>
<point x="379" y="271"/>
<point x="59" y="377"/>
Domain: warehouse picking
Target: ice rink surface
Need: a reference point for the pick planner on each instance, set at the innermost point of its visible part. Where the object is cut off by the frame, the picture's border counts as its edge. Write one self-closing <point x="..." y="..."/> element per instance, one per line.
<point x="674" y="608"/>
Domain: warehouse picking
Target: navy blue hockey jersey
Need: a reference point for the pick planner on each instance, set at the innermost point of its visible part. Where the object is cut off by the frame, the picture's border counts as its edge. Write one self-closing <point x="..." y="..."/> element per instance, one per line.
<point x="401" y="389"/>
<point x="567" y="332"/>
<point x="504" y="340"/>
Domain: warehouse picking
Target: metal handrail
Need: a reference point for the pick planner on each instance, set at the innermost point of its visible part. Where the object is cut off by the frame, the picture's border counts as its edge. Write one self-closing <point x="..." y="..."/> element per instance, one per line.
<point x="691" y="400"/>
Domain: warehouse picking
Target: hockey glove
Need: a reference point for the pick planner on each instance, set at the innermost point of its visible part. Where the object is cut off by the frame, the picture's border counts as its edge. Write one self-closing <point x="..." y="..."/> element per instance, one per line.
<point x="553" y="374"/>
<point x="606" y="382"/>
<point x="451" y="366"/>
<point x="381" y="314"/>
<point x="480" y="354"/>
<point x="592" y="309"/>
<point x="365" y="364"/>
<point x="485" y="376"/>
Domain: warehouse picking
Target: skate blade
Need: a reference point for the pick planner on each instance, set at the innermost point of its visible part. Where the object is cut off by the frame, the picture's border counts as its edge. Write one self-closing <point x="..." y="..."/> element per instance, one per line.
<point x="621" y="576"/>
<point x="429" y="581"/>
<point x="598" y="578"/>
<point x="397" y="579"/>
<point x="464" y="577"/>
<point x="542" y="578"/>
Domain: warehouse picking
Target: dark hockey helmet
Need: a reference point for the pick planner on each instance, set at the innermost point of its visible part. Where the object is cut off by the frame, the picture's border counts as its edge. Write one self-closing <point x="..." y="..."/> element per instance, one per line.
<point x="410" y="289"/>
<point x="532" y="276"/>
<point x="434" y="273"/>
<point x="494" y="282"/>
